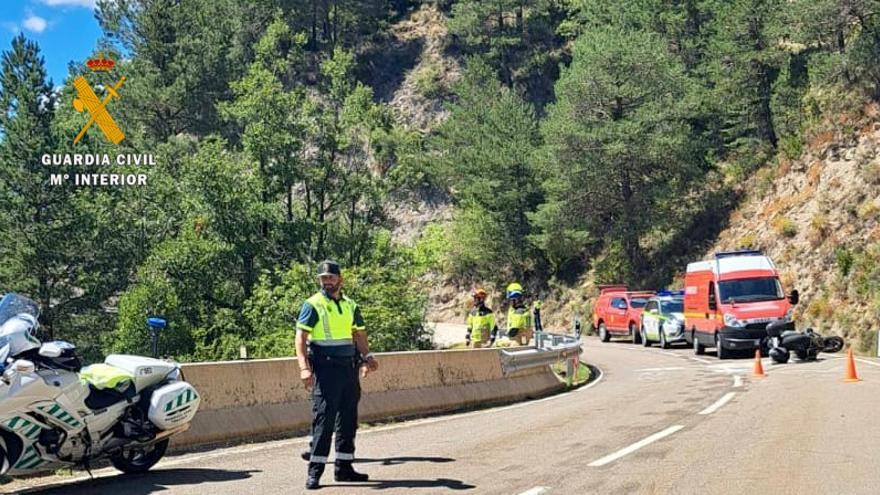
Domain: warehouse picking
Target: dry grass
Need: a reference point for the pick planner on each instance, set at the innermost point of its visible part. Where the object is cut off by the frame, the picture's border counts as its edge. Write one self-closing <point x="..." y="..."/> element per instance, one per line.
<point x="785" y="227"/>
<point x="869" y="209"/>
<point x="818" y="229"/>
<point x="784" y="167"/>
<point x="821" y="139"/>
<point x="814" y="175"/>
<point x="821" y="309"/>
<point x="872" y="172"/>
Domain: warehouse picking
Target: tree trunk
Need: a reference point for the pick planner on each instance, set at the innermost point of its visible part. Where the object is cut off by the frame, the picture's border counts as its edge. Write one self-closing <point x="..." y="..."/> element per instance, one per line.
<point x="519" y="17"/>
<point x="313" y="42"/>
<point x="629" y="230"/>
<point x="47" y="320"/>
<point x="248" y="277"/>
<point x="765" y="113"/>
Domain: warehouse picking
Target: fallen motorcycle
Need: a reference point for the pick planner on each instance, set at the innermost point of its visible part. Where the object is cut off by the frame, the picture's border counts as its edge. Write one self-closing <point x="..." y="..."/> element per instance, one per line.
<point x="805" y="345"/>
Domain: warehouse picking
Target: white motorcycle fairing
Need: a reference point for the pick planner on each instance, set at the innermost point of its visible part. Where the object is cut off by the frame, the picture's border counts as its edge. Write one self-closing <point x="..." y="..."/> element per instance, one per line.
<point x="51" y="418"/>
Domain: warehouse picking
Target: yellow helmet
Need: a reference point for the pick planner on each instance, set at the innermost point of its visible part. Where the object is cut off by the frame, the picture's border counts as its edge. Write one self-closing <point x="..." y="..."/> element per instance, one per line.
<point x="514" y="290"/>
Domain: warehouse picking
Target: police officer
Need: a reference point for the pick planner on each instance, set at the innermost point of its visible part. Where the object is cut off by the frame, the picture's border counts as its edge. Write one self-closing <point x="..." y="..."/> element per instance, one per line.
<point x="519" y="319"/>
<point x="331" y="326"/>
<point x="480" y="321"/>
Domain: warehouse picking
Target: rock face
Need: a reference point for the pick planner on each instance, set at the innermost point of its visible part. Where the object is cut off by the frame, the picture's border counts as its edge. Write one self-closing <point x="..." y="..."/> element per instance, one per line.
<point x="811" y="215"/>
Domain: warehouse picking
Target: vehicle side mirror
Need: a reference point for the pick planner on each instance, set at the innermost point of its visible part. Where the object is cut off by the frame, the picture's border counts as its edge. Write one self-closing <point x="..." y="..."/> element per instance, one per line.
<point x="794" y="297"/>
<point x="712" y="304"/>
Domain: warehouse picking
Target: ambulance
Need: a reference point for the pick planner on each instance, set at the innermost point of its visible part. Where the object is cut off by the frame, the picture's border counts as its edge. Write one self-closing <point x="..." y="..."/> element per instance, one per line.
<point x="730" y="300"/>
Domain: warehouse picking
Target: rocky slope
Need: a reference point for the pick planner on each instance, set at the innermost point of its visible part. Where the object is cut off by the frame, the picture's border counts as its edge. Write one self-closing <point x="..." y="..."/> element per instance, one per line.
<point x="817" y="217"/>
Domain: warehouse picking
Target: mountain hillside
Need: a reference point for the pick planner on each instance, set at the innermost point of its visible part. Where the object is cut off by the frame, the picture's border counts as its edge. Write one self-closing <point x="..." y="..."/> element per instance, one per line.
<point x="817" y="217"/>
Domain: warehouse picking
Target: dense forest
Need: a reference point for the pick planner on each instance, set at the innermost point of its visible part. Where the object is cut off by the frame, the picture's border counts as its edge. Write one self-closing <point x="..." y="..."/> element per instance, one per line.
<point x="581" y="138"/>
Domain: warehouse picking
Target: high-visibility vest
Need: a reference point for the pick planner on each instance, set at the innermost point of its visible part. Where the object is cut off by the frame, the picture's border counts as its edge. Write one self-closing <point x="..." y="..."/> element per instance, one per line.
<point x="478" y="324"/>
<point x="520" y="318"/>
<point x="335" y="320"/>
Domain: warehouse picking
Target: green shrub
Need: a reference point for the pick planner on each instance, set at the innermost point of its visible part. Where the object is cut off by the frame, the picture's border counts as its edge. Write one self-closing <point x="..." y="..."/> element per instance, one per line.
<point x="613" y="266"/>
<point x="785" y="227"/>
<point x="844" y="260"/>
<point x="872" y="172"/>
<point x="428" y="80"/>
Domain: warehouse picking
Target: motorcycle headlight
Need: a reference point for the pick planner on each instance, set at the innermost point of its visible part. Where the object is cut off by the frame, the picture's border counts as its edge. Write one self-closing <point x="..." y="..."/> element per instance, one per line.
<point x="731" y="321"/>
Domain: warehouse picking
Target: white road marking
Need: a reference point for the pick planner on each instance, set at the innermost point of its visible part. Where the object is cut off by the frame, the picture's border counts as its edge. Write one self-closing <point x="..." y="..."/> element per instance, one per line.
<point x="717" y="405"/>
<point x="285" y="443"/>
<point x="538" y="490"/>
<point x="705" y="361"/>
<point x="636" y="446"/>
<point x="737" y="381"/>
<point x="673" y="368"/>
<point x="872" y="363"/>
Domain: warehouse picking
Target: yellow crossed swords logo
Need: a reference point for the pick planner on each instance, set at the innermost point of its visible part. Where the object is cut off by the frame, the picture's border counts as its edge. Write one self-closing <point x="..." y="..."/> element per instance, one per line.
<point x="88" y="100"/>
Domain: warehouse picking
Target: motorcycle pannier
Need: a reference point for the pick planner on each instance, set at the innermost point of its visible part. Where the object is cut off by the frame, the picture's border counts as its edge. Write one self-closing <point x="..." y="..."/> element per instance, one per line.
<point x="173" y="405"/>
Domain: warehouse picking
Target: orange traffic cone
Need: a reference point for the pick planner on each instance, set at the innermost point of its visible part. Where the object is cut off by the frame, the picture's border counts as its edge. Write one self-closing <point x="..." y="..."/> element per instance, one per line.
<point x="851" y="375"/>
<point x="759" y="368"/>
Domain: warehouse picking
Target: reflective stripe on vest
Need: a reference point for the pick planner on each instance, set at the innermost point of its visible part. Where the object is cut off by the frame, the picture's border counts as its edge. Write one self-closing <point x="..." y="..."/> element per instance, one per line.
<point x="334" y="328"/>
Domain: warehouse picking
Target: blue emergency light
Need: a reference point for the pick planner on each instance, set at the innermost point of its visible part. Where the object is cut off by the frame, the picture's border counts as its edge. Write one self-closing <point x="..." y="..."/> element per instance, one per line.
<point x="154" y="322"/>
<point x="670" y="293"/>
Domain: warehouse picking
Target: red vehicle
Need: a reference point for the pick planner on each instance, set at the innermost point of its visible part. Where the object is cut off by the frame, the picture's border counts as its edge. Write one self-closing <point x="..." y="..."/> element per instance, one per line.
<point x="729" y="301"/>
<point x="617" y="312"/>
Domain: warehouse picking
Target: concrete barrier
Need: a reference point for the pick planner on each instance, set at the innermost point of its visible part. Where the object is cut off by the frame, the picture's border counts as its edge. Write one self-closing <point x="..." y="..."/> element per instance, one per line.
<point x="244" y="399"/>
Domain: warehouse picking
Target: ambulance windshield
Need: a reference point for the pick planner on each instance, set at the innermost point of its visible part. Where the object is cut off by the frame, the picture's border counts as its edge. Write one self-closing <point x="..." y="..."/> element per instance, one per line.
<point x="750" y="290"/>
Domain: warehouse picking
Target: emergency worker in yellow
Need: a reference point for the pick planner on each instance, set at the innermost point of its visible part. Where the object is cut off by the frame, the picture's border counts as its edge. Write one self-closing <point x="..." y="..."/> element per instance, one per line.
<point x="480" y="322"/>
<point x="519" y="319"/>
<point x="331" y="343"/>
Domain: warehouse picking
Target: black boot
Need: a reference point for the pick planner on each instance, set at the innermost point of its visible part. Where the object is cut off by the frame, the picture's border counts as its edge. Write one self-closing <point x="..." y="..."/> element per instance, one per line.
<point x="344" y="472"/>
<point x="316" y="469"/>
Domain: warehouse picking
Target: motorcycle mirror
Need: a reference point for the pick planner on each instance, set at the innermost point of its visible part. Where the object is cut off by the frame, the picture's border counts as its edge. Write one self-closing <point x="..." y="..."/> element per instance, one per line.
<point x="794" y="297"/>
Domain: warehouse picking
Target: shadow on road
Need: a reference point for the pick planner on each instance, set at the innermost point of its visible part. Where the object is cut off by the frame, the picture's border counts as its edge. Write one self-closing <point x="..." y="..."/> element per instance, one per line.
<point x="150" y="482"/>
<point x="393" y="461"/>
<point x="386" y="484"/>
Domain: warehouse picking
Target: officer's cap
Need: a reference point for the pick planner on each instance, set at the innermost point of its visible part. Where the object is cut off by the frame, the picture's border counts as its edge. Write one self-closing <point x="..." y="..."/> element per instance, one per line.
<point x="328" y="267"/>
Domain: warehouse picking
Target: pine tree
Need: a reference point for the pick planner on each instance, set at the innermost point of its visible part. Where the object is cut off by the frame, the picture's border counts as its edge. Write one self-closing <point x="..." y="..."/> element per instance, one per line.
<point x="34" y="216"/>
<point x="617" y="141"/>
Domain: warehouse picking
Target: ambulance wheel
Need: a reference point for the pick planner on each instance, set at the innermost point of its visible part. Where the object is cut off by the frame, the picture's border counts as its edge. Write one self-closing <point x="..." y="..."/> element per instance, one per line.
<point x="699" y="348"/>
<point x="139" y="460"/>
<point x="603" y="333"/>
<point x="663" y="343"/>
<point x="720" y="351"/>
<point x="637" y="338"/>
<point x="645" y="341"/>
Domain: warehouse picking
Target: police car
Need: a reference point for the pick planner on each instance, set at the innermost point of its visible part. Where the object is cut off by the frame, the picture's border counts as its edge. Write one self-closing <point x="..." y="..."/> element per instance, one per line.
<point x="663" y="319"/>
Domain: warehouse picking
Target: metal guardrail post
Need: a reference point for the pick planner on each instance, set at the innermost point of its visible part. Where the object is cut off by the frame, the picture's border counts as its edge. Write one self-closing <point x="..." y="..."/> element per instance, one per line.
<point x="549" y="349"/>
<point x="569" y="371"/>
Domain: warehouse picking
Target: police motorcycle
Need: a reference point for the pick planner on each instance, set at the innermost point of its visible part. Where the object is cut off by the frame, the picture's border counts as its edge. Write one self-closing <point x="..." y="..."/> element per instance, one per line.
<point x="54" y="414"/>
<point x="805" y="345"/>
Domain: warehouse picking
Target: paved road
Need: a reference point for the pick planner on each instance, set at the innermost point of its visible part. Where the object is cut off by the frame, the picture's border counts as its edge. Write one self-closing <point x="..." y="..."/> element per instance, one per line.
<point x="656" y="422"/>
<point x="446" y="334"/>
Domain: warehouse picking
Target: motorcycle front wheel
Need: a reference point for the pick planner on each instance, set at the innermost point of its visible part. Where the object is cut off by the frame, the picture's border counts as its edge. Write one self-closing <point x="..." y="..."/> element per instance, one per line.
<point x="833" y="344"/>
<point x="140" y="461"/>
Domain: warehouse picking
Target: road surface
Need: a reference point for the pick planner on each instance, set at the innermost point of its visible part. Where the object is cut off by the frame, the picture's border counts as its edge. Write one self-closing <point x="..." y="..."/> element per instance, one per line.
<point x="655" y="422"/>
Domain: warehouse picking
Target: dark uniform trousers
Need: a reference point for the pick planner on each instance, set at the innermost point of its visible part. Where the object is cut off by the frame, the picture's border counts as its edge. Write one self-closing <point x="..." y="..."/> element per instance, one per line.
<point x="334" y="405"/>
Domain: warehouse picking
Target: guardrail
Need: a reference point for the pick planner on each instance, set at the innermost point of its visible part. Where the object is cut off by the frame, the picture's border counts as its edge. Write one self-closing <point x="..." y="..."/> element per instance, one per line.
<point x="549" y="348"/>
